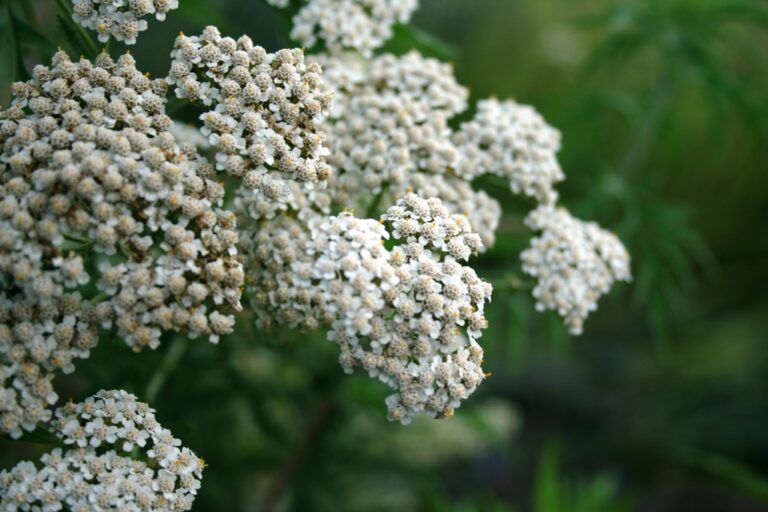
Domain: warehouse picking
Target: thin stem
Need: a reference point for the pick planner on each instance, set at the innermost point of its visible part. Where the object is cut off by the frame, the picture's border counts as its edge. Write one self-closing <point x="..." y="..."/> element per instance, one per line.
<point x="76" y="238"/>
<point x="90" y="47"/>
<point x="124" y="250"/>
<point x="512" y="283"/>
<point x="21" y="71"/>
<point x="172" y="358"/>
<point x="293" y="463"/>
<point x="100" y="297"/>
<point x="40" y="435"/>
<point x="374" y="206"/>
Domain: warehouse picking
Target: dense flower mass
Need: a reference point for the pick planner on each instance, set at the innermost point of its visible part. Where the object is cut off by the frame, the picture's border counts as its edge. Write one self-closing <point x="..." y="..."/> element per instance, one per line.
<point x="482" y="211"/>
<point x="514" y="142"/>
<point x="575" y="263"/>
<point x="98" y="468"/>
<point x="362" y="25"/>
<point x="409" y="315"/>
<point x="121" y="19"/>
<point x="390" y="118"/>
<point x="112" y="220"/>
<point x="265" y="107"/>
<point x="388" y="134"/>
<point x="104" y="221"/>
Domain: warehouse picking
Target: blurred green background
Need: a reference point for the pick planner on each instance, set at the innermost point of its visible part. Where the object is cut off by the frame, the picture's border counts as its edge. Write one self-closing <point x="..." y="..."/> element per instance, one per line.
<point x="662" y="405"/>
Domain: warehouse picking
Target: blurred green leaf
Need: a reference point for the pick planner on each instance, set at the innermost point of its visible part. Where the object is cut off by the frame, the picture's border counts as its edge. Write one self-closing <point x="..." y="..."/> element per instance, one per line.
<point x="730" y="471"/>
<point x="409" y="37"/>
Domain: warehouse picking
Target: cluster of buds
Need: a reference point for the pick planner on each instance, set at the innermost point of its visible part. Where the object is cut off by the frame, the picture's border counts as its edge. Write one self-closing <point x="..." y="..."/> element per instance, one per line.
<point x="120" y="19"/>
<point x="409" y="315"/>
<point x="389" y="134"/>
<point x="265" y="110"/>
<point x="514" y="142"/>
<point x="361" y="25"/>
<point x="98" y="469"/>
<point x="574" y="262"/>
<point x="91" y="178"/>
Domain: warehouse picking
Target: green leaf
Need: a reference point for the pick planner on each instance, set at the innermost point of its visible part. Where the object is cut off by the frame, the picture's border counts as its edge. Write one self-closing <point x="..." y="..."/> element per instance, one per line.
<point x="729" y="470"/>
<point x="408" y="37"/>
<point x="547" y="489"/>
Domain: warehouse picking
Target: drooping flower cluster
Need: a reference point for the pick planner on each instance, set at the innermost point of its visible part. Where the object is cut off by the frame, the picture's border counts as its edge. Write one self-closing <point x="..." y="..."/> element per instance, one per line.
<point x="121" y="19"/>
<point x="361" y="25"/>
<point x="98" y="471"/>
<point x="574" y="262"/>
<point x="96" y="191"/>
<point x="265" y="110"/>
<point x="409" y="316"/>
<point x="514" y="142"/>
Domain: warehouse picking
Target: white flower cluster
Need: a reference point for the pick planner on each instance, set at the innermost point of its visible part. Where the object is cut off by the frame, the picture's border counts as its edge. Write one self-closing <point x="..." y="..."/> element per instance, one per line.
<point x="389" y="133"/>
<point x="409" y="316"/>
<point x="121" y="19"/>
<point x="93" y="183"/>
<point x="362" y="25"/>
<point x="265" y="110"/>
<point x="389" y="130"/>
<point x="390" y="118"/>
<point x="514" y="142"/>
<point x="575" y="263"/>
<point x="482" y="211"/>
<point x="276" y="259"/>
<point x="98" y="471"/>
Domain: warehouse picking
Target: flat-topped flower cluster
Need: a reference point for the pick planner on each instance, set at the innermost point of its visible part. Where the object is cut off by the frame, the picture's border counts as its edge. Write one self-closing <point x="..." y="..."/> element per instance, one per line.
<point x="362" y="25"/>
<point x="120" y="19"/>
<point x="91" y="178"/>
<point x="97" y="468"/>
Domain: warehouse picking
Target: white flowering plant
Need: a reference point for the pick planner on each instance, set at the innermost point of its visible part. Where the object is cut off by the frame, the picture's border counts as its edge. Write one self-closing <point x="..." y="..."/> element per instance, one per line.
<point x="335" y="189"/>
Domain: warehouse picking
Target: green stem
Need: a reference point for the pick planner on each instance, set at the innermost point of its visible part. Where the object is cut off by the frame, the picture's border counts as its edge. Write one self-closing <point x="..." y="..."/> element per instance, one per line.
<point x="100" y="297"/>
<point x="374" y="206"/>
<point x="124" y="250"/>
<point x="88" y="46"/>
<point x="21" y="71"/>
<point x="40" y="435"/>
<point x="512" y="283"/>
<point x="297" y="458"/>
<point x="78" y="239"/>
<point x="172" y="358"/>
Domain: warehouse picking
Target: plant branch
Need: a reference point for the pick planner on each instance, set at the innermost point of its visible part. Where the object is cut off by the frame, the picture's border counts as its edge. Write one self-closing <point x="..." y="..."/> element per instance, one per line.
<point x="86" y="41"/>
<point x="293" y="463"/>
<point x="175" y="352"/>
<point x="512" y="283"/>
<point x="374" y="206"/>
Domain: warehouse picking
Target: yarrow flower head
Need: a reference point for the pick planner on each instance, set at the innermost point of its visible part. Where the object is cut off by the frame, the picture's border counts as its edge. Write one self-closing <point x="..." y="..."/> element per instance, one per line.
<point x="481" y="210"/>
<point x="390" y="118"/>
<point x="91" y="178"/>
<point x="388" y="133"/>
<point x="98" y="470"/>
<point x="120" y="19"/>
<point x="265" y="110"/>
<point x="409" y="315"/>
<point x="574" y="262"/>
<point x="514" y="142"/>
<point x="361" y="25"/>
